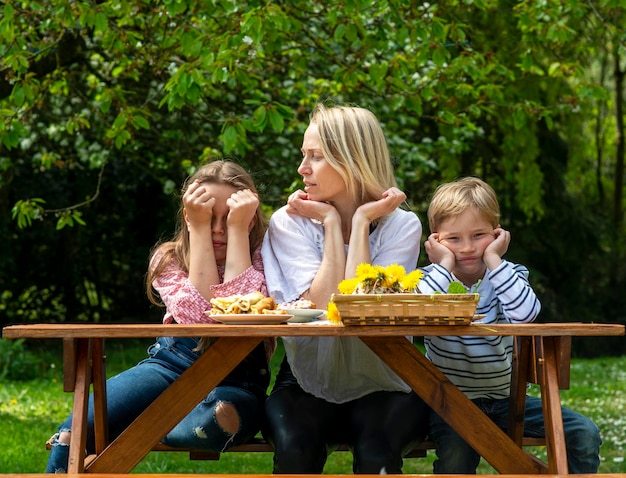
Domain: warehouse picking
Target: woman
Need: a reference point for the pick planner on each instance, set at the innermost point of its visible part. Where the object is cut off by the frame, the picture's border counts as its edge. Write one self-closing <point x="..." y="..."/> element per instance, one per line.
<point x="216" y="253"/>
<point x="333" y="390"/>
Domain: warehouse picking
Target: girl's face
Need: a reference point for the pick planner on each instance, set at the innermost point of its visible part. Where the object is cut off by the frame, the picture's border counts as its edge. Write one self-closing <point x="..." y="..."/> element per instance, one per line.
<point x="221" y="193"/>
<point x="321" y="181"/>
<point x="467" y="236"/>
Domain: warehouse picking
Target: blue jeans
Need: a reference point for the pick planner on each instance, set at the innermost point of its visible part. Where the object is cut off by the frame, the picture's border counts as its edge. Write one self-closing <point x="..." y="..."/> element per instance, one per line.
<point x="132" y="391"/>
<point x="582" y="437"/>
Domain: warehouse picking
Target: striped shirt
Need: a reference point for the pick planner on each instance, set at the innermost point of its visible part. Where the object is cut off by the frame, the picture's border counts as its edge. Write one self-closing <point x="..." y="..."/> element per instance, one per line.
<point x="481" y="366"/>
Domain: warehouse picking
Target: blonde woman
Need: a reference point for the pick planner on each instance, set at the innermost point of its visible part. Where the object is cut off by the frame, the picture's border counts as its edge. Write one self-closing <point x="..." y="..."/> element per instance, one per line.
<point x="216" y="253"/>
<point x="335" y="390"/>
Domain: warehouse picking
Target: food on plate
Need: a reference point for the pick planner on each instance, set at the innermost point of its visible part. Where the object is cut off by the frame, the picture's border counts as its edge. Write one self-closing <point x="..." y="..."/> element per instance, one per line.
<point x="297" y="304"/>
<point x="252" y="303"/>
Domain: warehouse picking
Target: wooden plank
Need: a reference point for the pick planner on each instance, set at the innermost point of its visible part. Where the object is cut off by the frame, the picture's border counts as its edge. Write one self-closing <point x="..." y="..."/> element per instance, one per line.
<point x="446" y="399"/>
<point x="123" y="454"/>
<point x="519" y="377"/>
<point x="101" y="422"/>
<point x="545" y="351"/>
<point x="564" y="353"/>
<point x="80" y="408"/>
<point x="220" y="330"/>
<point x="69" y="364"/>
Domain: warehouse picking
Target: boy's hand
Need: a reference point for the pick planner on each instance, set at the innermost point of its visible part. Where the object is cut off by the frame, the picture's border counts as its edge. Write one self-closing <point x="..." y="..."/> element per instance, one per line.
<point x="492" y="256"/>
<point x="242" y="206"/>
<point x="438" y="253"/>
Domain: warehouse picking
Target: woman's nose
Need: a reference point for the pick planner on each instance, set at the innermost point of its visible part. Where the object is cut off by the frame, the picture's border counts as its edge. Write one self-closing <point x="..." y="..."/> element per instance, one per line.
<point x="304" y="167"/>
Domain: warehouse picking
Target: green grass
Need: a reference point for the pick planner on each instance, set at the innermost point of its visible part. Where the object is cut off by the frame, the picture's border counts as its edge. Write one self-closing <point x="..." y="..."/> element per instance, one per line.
<point x="30" y="412"/>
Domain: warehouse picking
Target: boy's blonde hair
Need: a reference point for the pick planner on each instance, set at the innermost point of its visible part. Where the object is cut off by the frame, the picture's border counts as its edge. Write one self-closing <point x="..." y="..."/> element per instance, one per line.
<point x="354" y="144"/>
<point x="451" y="199"/>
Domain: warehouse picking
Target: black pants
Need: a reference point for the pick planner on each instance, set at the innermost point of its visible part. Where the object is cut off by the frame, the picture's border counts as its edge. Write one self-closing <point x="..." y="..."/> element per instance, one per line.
<point x="379" y="428"/>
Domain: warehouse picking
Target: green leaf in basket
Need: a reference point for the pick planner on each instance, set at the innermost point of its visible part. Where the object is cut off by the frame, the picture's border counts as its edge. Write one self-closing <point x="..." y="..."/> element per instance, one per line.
<point x="456" y="288"/>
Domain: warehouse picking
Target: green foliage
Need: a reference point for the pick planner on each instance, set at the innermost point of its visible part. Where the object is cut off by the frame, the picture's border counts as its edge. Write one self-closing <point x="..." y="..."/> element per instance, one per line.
<point x="16" y="361"/>
<point x="456" y="288"/>
<point x="152" y="89"/>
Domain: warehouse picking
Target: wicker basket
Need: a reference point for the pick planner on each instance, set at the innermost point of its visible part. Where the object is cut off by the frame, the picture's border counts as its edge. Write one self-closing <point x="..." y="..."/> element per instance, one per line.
<point x="406" y="309"/>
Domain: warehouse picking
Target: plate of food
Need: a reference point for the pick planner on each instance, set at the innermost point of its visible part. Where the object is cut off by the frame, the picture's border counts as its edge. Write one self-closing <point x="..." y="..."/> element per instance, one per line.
<point x="303" y="310"/>
<point x="251" y="319"/>
<point x="304" y="315"/>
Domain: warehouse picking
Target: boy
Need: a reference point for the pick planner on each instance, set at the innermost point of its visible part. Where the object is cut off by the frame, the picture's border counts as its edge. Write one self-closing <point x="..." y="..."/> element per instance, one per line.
<point x="466" y="245"/>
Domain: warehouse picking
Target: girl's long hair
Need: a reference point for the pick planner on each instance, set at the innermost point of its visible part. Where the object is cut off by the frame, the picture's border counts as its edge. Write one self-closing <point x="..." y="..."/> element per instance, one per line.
<point x="215" y="172"/>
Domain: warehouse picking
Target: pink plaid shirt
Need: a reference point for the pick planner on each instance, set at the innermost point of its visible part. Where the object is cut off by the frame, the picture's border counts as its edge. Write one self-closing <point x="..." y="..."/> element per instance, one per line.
<point x="185" y="305"/>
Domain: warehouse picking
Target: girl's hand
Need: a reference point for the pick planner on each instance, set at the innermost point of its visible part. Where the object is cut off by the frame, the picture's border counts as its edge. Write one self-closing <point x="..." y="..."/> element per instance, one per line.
<point x="438" y="253"/>
<point x="242" y="209"/>
<point x="391" y="199"/>
<point x="300" y="204"/>
<point x="198" y="205"/>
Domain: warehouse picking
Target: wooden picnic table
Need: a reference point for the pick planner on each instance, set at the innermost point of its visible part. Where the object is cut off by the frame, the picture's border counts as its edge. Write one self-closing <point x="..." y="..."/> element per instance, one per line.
<point x="84" y="364"/>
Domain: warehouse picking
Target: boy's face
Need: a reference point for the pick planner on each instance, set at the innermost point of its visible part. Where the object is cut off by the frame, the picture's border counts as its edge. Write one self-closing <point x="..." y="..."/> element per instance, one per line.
<point x="467" y="236"/>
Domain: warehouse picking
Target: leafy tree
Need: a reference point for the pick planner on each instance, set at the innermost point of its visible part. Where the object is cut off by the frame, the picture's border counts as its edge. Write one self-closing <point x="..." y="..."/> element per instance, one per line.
<point x="108" y="105"/>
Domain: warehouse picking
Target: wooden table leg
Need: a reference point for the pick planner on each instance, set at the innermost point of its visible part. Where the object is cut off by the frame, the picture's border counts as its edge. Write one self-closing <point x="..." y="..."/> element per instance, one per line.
<point x="123" y="454"/>
<point x="519" y="380"/>
<point x="453" y="406"/>
<point x="98" y="368"/>
<point x="547" y="368"/>
<point x="82" y="384"/>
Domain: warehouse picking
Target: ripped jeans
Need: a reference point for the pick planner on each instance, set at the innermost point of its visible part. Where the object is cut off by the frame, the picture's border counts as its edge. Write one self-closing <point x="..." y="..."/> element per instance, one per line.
<point x="132" y="391"/>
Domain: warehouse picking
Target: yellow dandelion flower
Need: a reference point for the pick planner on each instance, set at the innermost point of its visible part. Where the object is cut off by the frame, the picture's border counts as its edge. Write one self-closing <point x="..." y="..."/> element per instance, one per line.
<point x="368" y="271"/>
<point x="394" y="274"/>
<point x="412" y="279"/>
<point x="348" y="286"/>
<point x="332" y="313"/>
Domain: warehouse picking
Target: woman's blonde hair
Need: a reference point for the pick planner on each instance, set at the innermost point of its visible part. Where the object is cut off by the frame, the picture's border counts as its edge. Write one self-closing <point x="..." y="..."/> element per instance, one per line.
<point x="451" y="199"/>
<point x="354" y="144"/>
<point x="215" y="172"/>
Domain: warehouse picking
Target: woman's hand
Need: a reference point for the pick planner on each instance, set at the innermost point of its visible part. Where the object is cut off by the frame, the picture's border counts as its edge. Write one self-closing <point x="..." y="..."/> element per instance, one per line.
<point x="391" y="199"/>
<point x="300" y="204"/>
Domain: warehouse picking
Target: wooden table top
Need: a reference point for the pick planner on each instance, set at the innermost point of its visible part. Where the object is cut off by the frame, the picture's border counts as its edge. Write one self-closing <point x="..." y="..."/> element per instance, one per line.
<point x="311" y="329"/>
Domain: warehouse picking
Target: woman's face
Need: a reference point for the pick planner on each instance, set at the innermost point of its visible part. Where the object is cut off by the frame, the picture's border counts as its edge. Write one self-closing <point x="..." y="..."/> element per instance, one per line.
<point x="321" y="181"/>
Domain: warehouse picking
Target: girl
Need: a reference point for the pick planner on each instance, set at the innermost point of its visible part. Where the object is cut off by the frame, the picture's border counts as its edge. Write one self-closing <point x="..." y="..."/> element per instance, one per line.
<point x="216" y="253"/>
